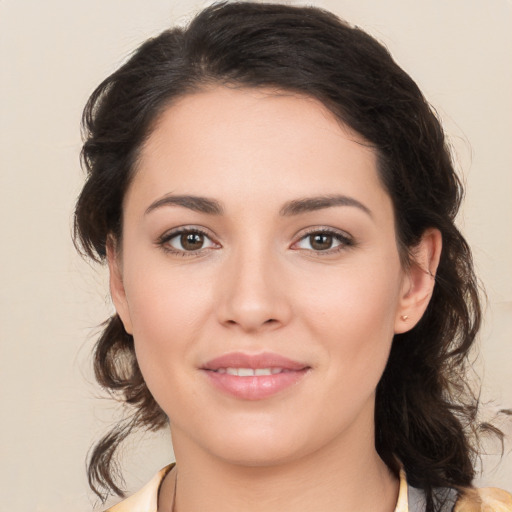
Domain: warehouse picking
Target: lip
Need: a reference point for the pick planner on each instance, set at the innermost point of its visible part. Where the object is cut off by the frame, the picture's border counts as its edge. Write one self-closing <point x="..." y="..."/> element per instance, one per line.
<point x="256" y="387"/>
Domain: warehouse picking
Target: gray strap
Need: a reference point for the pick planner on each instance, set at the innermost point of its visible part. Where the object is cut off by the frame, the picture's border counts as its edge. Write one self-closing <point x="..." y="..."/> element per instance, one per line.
<point x="416" y="497"/>
<point x="444" y="499"/>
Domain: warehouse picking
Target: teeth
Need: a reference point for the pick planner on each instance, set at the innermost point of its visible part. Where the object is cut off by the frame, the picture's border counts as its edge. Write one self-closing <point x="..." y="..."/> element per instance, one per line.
<point x="250" y="372"/>
<point x="263" y="371"/>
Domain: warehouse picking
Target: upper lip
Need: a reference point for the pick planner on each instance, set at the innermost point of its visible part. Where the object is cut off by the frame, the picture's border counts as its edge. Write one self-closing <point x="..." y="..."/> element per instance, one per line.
<point x="254" y="361"/>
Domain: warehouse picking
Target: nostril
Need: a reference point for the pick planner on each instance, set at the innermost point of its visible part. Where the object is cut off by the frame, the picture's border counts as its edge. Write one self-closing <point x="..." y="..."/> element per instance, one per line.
<point x="270" y="321"/>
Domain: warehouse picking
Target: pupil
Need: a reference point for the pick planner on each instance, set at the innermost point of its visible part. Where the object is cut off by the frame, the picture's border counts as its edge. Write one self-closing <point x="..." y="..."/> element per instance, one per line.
<point x="192" y="241"/>
<point x="321" y="242"/>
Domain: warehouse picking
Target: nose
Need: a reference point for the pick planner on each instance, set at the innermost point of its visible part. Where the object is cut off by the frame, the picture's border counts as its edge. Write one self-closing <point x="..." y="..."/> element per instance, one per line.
<point x="252" y="293"/>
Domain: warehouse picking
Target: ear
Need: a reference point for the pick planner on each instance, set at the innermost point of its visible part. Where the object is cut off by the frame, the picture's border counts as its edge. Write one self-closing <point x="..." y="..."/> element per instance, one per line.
<point x="419" y="281"/>
<point x="117" y="290"/>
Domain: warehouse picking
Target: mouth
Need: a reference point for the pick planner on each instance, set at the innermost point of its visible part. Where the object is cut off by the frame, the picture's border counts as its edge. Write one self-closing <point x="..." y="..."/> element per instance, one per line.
<point x="254" y="377"/>
<point x="251" y="372"/>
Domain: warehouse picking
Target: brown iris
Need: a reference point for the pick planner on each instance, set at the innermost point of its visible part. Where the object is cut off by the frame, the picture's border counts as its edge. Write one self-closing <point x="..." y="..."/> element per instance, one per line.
<point x="192" y="241"/>
<point x="321" y="241"/>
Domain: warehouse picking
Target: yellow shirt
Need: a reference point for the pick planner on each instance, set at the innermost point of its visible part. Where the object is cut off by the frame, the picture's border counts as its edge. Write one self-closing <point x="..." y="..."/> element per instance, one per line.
<point x="474" y="500"/>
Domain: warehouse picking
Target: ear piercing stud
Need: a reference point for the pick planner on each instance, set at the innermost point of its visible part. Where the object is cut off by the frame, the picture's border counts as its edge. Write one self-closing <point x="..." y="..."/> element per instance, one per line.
<point x="404" y="317"/>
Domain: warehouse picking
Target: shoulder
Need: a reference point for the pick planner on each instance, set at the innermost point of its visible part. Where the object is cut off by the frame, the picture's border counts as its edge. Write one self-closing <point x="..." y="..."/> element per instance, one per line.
<point x="488" y="499"/>
<point x="145" y="500"/>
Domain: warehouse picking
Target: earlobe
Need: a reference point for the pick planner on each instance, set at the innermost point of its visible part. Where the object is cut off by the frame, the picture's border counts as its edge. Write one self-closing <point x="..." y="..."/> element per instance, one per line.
<point x="117" y="290"/>
<point x="419" y="281"/>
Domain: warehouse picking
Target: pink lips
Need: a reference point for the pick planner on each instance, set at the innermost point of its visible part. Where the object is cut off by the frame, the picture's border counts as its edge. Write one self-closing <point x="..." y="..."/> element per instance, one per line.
<point x="231" y="373"/>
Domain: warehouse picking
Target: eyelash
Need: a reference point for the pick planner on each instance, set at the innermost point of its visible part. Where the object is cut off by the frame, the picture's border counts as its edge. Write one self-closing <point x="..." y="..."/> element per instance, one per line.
<point x="346" y="241"/>
<point x="164" y="240"/>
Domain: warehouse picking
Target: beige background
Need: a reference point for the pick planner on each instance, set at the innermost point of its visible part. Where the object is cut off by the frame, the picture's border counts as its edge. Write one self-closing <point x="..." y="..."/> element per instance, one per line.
<point x="52" y="55"/>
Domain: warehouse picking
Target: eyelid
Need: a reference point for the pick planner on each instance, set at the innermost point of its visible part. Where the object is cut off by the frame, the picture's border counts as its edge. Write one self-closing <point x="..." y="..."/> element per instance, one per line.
<point x="347" y="241"/>
<point x="162" y="240"/>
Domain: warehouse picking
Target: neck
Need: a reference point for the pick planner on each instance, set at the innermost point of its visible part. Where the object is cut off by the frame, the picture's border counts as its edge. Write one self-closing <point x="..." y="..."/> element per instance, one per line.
<point x="342" y="477"/>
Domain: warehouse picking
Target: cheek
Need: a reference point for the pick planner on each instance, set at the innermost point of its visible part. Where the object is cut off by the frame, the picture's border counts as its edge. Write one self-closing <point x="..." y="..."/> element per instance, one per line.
<point x="167" y="312"/>
<point x="353" y="315"/>
<point x="164" y="300"/>
<point x="355" y="298"/>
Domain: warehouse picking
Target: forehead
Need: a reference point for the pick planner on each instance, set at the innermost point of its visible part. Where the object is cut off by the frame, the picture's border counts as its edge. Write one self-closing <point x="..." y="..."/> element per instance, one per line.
<point x="240" y="142"/>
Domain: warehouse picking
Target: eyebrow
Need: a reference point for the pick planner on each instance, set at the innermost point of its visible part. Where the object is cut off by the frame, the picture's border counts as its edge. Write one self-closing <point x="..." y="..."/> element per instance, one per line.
<point x="294" y="207"/>
<point x="311" y="204"/>
<point x="196" y="203"/>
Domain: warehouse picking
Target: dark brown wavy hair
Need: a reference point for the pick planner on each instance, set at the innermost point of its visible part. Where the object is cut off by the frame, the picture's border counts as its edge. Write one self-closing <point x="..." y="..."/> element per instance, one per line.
<point x="425" y="412"/>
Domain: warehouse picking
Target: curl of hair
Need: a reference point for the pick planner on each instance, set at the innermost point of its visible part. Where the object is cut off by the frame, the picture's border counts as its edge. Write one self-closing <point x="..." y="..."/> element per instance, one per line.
<point x="116" y="370"/>
<point x="425" y="413"/>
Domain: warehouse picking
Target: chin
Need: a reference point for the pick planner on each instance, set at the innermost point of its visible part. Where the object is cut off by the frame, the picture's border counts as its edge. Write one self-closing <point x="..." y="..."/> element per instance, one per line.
<point x="259" y="454"/>
<point x="259" y="445"/>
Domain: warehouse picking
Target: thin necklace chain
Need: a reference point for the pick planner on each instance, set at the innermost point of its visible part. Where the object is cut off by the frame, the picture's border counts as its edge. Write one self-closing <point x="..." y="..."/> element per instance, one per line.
<point x="174" y="493"/>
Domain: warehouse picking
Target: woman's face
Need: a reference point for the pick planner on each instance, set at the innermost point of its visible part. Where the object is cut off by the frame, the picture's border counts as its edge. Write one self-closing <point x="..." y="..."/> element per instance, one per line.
<point x="259" y="275"/>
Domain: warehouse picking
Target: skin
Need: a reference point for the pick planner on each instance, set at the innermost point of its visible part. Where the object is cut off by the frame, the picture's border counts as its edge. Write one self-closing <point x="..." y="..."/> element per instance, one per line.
<point x="260" y="284"/>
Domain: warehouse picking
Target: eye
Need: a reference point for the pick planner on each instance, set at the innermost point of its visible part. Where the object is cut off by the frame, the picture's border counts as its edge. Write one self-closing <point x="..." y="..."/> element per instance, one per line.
<point x="326" y="241"/>
<point x="186" y="241"/>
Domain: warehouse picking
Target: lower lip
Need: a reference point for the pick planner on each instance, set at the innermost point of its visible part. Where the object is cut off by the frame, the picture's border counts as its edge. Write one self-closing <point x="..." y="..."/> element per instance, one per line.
<point x="256" y="387"/>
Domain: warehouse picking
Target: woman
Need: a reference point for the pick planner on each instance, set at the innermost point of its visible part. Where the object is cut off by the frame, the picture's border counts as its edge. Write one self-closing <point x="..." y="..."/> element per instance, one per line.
<point x="276" y="204"/>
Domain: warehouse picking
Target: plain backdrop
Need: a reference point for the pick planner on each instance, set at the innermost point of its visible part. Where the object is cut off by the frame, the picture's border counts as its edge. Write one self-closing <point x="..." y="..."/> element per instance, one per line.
<point x="52" y="55"/>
